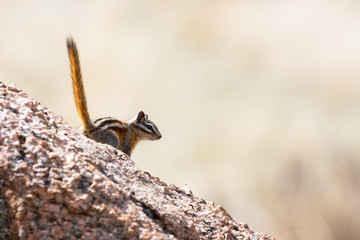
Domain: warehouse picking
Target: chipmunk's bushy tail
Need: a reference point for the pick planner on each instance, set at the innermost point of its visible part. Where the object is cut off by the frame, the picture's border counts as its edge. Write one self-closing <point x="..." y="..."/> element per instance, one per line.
<point x="78" y="86"/>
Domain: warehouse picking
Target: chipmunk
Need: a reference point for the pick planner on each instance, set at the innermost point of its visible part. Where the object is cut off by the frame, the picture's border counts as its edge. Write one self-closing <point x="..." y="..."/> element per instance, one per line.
<point x="123" y="135"/>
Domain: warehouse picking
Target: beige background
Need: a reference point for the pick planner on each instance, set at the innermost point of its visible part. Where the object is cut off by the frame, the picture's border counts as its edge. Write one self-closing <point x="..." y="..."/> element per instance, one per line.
<point x="258" y="101"/>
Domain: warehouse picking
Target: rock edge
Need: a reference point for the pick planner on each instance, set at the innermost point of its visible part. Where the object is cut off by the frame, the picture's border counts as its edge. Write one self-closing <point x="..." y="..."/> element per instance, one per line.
<point x="57" y="184"/>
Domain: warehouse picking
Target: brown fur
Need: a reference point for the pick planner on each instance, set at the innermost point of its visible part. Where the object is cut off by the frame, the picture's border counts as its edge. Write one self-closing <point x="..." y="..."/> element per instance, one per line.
<point x="121" y="135"/>
<point x="78" y="86"/>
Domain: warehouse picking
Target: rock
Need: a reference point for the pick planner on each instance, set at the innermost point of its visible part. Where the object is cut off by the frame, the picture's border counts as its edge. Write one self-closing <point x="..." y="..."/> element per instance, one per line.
<point x="58" y="184"/>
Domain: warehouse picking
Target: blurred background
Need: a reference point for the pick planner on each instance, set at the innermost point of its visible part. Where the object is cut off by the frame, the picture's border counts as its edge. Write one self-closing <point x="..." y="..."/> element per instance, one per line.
<point x="258" y="101"/>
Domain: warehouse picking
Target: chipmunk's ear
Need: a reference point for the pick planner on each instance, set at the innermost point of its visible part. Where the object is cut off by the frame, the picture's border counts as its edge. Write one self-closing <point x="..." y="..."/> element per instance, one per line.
<point x="140" y="116"/>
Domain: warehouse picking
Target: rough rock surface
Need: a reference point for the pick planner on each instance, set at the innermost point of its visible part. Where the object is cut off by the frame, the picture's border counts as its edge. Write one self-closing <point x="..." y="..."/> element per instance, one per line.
<point x="57" y="184"/>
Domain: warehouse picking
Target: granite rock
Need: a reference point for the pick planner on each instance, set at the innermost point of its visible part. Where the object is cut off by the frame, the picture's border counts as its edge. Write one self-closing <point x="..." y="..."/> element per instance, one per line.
<point x="58" y="184"/>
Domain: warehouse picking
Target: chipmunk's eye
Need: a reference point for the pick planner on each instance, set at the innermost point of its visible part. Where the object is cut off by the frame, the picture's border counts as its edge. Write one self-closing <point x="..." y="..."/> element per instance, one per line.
<point x="149" y="127"/>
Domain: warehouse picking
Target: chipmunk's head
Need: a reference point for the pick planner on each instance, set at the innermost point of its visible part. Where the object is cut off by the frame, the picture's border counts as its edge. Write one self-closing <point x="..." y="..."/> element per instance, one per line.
<point x="146" y="129"/>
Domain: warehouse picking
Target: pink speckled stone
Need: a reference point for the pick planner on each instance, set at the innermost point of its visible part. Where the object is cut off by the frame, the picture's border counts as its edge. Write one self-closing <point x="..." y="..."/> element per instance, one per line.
<point x="57" y="184"/>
